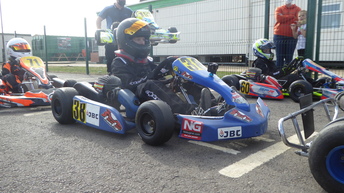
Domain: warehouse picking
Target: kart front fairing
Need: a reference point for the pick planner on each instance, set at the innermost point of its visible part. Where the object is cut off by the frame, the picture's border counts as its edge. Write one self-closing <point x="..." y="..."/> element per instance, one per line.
<point x="328" y="89"/>
<point x="310" y="65"/>
<point x="244" y="120"/>
<point x="39" y="88"/>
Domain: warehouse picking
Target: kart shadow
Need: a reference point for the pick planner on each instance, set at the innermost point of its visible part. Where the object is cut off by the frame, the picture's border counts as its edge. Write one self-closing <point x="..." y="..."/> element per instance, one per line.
<point x="96" y="136"/>
<point x="23" y="110"/>
<point x="205" y="157"/>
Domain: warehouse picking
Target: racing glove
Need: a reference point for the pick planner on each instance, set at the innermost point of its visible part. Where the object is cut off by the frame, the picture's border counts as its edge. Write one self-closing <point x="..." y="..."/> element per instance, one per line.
<point x="288" y="69"/>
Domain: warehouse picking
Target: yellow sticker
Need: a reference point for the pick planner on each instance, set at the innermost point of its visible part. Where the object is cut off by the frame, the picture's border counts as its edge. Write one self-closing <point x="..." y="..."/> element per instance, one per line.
<point x="32" y="61"/>
<point x="192" y="64"/>
<point x="245" y="87"/>
<point x="79" y="111"/>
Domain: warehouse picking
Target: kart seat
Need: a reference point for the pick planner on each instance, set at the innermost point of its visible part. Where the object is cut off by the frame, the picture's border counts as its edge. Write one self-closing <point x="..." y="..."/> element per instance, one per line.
<point x="85" y="89"/>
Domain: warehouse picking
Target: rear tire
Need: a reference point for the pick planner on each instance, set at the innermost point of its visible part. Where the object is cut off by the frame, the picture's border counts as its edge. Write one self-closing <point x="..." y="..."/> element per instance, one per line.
<point x="231" y="80"/>
<point x="62" y="104"/>
<point x="299" y="88"/>
<point x="326" y="158"/>
<point x="155" y="122"/>
<point x="69" y="83"/>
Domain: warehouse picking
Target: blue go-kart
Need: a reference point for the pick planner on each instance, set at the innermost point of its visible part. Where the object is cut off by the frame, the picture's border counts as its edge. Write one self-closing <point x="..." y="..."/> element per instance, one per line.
<point x="223" y="115"/>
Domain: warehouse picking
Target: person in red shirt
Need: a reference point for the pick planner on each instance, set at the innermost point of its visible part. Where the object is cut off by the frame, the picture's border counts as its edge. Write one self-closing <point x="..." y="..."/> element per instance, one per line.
<point x="285" y="15"/>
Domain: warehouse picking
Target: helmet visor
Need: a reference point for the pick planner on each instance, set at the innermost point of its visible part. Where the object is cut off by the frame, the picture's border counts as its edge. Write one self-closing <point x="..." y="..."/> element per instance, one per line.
<point x="21" y="47"/>
<point x="135" y="27"/>
<point x="267" y="45"/>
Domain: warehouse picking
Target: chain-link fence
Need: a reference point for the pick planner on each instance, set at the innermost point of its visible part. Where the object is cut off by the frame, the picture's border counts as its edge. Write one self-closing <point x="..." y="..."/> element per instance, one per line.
<point x="221" y="31"/>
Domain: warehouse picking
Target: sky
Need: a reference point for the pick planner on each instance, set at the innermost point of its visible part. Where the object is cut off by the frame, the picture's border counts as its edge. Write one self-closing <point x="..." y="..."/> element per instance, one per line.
<point x="60" y="17"/>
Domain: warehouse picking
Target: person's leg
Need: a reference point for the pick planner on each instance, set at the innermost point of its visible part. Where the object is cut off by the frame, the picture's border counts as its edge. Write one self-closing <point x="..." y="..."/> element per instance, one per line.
<point x="278" y="41"/>
<point x="156" y="90"/>
<point x="109" y="55"/>
<point x="290" y="48"/>
<point x="301" y="52"/>
<point x="11" y="82"/>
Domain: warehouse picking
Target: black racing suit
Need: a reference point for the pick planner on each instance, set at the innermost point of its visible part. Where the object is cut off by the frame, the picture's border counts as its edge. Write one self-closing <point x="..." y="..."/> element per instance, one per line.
<point x="136" y="75"/>
<point x="268" y="67"/>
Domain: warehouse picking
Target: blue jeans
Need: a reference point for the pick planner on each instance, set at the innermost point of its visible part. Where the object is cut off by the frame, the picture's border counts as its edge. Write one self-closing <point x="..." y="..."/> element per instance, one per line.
<point x="285" y="47"/>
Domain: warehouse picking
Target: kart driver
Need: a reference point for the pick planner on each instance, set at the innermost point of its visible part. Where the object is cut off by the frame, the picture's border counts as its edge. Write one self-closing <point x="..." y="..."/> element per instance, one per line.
<point x="136" y="70"/>
<point x="12" y="73"/>
<point x="262" y="50"/>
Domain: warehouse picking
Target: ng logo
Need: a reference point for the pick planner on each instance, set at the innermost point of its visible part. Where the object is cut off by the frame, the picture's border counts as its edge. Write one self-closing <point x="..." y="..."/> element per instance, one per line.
<point x="190" y="125"/>
<point x="191" y="129"/>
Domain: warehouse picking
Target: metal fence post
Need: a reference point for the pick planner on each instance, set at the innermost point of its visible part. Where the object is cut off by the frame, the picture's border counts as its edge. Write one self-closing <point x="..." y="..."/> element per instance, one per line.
<point x="86" y="49"/>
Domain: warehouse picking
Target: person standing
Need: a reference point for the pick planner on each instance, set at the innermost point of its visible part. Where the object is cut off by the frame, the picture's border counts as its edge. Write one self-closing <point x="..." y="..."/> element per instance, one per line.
<point x="299" y="32"/>
<point x="285" y="15"/>
<point x="113" y="13"/>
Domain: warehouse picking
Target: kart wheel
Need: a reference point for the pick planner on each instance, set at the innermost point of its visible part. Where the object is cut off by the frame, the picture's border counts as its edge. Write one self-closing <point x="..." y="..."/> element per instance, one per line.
<point x="299" y="88"/>
<point x="172" y="29"/>
<point x="326" y="158"/>
<point x="62" y="103"/>
<point x="340" y="100"/>
<point x="155" y="122"/>
<point x="50" y="77"/>
<point x="231" y="80"/>
<point x="69" y="83"/>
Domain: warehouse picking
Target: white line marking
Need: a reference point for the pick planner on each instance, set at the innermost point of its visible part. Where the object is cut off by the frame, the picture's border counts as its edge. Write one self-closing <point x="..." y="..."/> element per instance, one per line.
<point x="33" y="114"/>
<point x="249" y="163"/>
<point x="226" y="150"/>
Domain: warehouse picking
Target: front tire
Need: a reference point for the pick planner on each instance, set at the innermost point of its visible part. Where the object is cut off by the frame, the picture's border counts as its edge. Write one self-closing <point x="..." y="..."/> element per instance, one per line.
<point x="231" y="80"/>
<point x="326" y="158"/>
<point x="155" y="122"/>
<point x="299" y="88"/>
<point x="62" y="103"/>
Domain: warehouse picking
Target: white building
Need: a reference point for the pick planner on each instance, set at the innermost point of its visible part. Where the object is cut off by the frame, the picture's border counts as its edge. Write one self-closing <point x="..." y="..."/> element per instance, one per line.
<point x="224" y="30"/>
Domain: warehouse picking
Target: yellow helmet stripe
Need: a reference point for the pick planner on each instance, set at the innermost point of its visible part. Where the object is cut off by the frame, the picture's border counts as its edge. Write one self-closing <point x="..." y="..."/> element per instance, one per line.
<point x="135" y="27"/>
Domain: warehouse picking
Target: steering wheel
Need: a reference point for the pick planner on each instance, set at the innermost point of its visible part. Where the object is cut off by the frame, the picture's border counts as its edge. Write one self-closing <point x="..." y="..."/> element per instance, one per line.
<point x="163" y="69"/>
<point x="294" y="64"/>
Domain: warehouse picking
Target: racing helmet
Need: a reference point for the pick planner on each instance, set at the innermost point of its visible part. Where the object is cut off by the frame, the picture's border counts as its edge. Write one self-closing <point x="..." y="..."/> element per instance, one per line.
<point x="260" y="45"/>
<point x="17" y="48"/>
<point x="130" y="28"/>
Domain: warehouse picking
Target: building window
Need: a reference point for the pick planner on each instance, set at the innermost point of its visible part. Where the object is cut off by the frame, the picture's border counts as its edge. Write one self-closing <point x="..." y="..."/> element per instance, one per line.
<point x="331" y="15"/>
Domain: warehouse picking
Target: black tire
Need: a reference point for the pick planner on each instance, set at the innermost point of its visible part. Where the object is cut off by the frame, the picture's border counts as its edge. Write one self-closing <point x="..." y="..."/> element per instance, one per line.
<point x="62" y="103"/>
<point x="172" y="29"/>
<point x="340" y="100"/>
<point x="69" y="83"/>
<point x="326" y="158"/>
<point x="50" y="77"/>
<point x="299" y="88"/>
<point x="155" y="122"/>
<point x="231" y="80"/>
